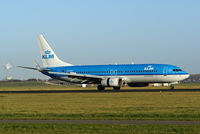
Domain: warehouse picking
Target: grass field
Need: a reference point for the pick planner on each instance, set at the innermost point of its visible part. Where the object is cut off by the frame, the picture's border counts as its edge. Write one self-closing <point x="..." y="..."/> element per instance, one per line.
<point x="162" y="106"/>
<point x="21" y="86"/>
<point x="116" y="105"/>
<point x="131" y="106"/>
<point x="13" y="128"/>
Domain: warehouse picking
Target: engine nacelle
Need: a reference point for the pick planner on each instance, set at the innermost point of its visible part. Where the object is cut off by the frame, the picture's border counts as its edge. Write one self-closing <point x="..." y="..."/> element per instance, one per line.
<point x="112" y="82"/>
<point x="138" y="84"/>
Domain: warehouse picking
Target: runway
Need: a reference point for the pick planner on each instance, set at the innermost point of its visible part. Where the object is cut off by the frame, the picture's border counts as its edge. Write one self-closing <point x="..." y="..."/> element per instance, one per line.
<point x="96" y="91"/>
<point x="120" y="122"/>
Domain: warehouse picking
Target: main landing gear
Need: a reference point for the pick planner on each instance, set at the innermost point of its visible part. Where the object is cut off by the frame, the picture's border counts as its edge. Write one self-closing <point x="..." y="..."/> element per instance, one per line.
<point x="100" y="88"/>
<point x="171" y="87"/>
<point x="116" y="88"/>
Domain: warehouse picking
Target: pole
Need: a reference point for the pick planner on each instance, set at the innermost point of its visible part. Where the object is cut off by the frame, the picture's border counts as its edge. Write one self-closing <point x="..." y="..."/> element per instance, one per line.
<point x="6" y="74"/>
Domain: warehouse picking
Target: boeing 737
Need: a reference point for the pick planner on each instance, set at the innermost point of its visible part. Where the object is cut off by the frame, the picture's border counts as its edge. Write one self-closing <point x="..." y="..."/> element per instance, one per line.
<point x="116" y="76"/>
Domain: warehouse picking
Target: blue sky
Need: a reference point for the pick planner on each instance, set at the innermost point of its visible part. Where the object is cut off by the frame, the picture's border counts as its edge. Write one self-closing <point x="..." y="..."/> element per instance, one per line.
<point x="100" y="32"/>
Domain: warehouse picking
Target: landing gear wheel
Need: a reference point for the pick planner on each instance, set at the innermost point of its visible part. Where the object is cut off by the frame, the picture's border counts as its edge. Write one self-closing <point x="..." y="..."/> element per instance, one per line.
<point x="100" y="88"/>
<point x="171" y="87"/>
<point x="116" y="88"/>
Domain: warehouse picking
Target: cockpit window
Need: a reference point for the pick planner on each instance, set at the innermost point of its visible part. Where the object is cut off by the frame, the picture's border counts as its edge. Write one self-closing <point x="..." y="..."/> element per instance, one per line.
<point x="177" y="70"/>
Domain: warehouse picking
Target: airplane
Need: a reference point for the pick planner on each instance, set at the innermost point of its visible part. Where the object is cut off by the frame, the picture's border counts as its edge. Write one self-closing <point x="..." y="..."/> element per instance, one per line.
<point x="115" y="76"/>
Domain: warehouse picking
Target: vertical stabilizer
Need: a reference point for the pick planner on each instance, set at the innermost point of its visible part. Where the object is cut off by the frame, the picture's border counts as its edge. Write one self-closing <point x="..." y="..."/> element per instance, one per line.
<point x="49" y="58"/>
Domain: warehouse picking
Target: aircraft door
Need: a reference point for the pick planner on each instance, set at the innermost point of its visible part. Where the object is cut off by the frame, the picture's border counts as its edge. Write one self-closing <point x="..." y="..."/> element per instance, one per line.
<point x="165" y="71"/>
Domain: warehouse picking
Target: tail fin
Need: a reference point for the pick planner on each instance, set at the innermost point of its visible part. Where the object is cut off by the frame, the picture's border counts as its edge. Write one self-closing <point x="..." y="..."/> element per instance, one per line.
<point x="49" y="58"/>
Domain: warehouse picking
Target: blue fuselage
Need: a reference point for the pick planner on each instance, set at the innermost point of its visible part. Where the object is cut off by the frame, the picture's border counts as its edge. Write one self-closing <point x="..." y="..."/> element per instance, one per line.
<point x="118" y="70"/>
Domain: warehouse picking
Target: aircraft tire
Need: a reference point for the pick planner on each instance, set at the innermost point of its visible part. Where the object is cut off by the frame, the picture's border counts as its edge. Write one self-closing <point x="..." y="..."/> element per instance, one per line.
<point x="116" y="88"/>
<point x="171" y="87"/>
<point x="100" y="88"/>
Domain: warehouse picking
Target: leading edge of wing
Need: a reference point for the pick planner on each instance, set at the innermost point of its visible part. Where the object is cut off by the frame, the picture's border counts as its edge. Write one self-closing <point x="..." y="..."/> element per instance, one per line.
<point x="75" y="75"/>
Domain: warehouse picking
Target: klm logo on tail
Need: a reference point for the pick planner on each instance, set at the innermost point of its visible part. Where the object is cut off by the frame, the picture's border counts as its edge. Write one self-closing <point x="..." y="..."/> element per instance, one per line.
<point x="48" y="55"/>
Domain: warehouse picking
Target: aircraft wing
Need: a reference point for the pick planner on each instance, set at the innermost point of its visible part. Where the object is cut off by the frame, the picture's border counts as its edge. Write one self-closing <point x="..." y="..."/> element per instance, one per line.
<point x="84" y="77"/>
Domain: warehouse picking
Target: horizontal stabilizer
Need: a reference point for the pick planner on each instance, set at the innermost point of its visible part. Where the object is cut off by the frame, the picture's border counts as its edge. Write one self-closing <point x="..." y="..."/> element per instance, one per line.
<point x="39" y="69"/>
<point x="28" y="67"/>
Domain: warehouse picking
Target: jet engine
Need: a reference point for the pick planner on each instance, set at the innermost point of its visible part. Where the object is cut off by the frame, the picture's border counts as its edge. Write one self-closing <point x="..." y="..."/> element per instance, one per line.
<point x="112" y="82"/>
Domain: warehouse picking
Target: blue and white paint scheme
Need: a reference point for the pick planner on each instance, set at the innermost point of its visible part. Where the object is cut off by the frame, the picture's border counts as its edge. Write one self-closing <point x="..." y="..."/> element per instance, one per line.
<point x="116" y="76"/>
